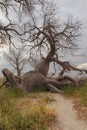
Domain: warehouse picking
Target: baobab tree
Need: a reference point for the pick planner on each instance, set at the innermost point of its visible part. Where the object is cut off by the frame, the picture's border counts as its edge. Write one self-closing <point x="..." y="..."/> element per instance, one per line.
<point x="43" y="31"/>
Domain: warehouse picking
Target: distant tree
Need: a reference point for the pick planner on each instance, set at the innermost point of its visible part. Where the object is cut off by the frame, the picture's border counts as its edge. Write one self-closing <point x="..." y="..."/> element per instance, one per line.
<point x="17" y="60"/>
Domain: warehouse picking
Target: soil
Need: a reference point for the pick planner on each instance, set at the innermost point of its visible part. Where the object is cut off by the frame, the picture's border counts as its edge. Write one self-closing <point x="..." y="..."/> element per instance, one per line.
<point x="81" y="110"/>
<point x="67" y="115"/>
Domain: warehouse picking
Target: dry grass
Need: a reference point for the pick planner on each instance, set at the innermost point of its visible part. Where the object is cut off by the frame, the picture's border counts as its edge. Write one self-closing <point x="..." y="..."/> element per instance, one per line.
<point x="81" y="109"/>
<point x="22" y="111"/>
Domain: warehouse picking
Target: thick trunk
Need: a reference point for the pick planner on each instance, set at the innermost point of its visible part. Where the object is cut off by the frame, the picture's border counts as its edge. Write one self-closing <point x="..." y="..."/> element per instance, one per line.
<point x="43" y="66"/>
<point x="34" y="81"/>
<point x="51" y="53"/>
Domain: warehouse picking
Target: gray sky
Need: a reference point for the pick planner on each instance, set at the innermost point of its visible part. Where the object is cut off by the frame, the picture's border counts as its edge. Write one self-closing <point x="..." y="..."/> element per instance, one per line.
<point x="76" y="9"/>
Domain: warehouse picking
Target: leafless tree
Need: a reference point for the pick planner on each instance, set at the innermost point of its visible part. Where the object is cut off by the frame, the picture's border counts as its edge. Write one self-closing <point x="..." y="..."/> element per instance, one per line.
<point x="42" y="30"/>
<point x="17" y="60"/>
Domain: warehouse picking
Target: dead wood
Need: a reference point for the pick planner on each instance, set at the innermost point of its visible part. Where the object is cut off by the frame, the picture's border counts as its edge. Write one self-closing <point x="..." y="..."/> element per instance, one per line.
<point x="4" y="83"/>
<point x="65" y="78"/>
<point x="34" y="80"/>
<point x="12" y="80"/>
<point x="57" y="84"/>
<point x="53" y="89"/>
<point x="31" y="81"/>
<point x="10" y="77"/>
<point x="43" y="67"/>
<point x="67" y="66"/>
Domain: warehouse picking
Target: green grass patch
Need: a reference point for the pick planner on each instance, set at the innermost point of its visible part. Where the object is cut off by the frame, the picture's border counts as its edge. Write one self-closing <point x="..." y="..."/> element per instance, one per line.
<point x="8" y="93"/>
<point x="14" y="92"/>
<point x="73" y="91"/>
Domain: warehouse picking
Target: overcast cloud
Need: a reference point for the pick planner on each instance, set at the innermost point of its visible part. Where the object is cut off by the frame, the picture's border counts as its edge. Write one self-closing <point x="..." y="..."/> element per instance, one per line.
<point x="77" y="10"/>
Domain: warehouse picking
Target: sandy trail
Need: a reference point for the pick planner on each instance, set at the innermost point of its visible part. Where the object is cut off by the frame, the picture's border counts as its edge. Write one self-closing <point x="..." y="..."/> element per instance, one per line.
<point x="67" y="117"/>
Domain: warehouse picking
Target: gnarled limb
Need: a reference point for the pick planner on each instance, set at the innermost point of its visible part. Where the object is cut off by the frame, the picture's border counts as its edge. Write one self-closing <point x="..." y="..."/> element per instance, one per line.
<point x="67" y="66"/>
<point x="10" y="77"/>
<point x="53" y="89"/>
<point x="65" y="77"/>
<point x="57" y="84"/>
<point x="4" y="83"/>
<point x="13" y="81"/>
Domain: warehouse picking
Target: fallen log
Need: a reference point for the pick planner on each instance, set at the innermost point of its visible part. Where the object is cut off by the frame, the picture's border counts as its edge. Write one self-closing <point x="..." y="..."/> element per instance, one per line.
<point x="33" y="81"/>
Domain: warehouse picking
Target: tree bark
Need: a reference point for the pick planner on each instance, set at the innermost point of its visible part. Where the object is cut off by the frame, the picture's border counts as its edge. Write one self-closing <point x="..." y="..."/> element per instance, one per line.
<point x="57" y="84"/>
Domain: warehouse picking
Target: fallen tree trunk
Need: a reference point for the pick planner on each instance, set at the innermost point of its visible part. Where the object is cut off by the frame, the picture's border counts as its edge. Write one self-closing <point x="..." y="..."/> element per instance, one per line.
<point x="34" y="80"/>
<point x="31" y="81"/>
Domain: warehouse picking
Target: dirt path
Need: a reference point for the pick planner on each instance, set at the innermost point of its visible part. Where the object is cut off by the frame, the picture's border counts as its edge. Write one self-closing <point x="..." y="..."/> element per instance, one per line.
<point x="67" y="117"/>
